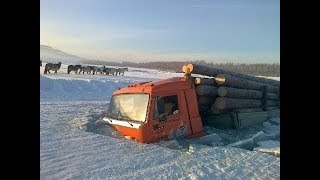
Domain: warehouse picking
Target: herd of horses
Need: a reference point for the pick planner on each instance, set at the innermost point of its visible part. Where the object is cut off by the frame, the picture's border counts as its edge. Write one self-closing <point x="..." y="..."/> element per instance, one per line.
<point x="77" y="69"/>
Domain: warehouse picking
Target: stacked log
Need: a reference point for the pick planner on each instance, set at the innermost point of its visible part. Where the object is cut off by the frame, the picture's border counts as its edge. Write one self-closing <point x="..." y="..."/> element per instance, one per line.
<point x="204" y="99"/>
<point x="205" y="81"/>
<point x="228" y="91"/>
<point x="206" y="90"/>
<point x="215" y="110"/>
<point x="224" y="91"/>
<point x="236" y="103"/>
<point x="211" y="71"/>
<point x="233" y="81"/>
<point x="206" y="93"/>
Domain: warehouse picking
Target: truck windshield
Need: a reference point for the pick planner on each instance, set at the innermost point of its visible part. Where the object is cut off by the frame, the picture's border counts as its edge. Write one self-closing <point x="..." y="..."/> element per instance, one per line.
<point x="131" y="107"/>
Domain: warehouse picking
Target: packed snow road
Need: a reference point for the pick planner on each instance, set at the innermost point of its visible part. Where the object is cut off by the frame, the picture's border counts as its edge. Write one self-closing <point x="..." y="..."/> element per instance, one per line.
<point x="74" y="144"/>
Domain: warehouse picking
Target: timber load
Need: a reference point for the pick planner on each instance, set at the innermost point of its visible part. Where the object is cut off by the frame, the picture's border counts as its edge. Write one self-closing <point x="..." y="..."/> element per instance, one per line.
<point x="226" y="91"/>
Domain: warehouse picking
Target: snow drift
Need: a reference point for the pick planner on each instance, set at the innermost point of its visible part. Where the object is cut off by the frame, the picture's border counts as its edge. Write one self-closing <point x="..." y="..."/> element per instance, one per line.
<point x="64" y="89"/>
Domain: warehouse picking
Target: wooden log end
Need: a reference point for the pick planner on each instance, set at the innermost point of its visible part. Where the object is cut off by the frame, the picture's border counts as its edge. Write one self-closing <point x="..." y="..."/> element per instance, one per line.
<point x="220" y="103"/>
<point x="190" y="66"/>
<point x="214" y="109"/>
<point x="197" y="80"/>
<point x="185" y="69"/>
<point x="220" y="79"/>
<point x="222" y="92"/>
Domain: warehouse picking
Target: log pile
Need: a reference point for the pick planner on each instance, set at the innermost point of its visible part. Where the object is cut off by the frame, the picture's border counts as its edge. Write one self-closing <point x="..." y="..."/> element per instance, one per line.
<point x="227" y="91"/>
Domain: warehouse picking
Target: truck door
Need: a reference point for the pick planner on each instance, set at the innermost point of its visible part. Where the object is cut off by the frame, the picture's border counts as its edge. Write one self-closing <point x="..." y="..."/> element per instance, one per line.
<point x="169" y="116"/>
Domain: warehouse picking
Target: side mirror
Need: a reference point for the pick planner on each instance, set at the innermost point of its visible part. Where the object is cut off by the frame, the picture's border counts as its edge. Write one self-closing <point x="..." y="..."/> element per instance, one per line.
<point x="162" y="117"/>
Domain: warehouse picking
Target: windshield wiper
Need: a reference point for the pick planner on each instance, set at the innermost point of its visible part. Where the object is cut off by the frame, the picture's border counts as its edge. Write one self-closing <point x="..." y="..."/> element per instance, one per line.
<point x="126" y="118"/>
<point x="130" y="123"/>
<point x="120" y="117"/>
<point x="108" y="118"/>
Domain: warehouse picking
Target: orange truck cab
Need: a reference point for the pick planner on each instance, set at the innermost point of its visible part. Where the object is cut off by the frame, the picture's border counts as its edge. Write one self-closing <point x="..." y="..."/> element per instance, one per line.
<point x="153" y="111"/>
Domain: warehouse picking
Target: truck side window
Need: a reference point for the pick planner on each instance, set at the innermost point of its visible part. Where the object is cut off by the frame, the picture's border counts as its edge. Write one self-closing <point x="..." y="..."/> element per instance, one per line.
<point x="170" y="106"/>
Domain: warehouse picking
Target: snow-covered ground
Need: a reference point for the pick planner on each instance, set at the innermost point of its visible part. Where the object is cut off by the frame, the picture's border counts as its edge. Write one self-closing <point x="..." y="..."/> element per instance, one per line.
<point x="75" y="145"/>
<point x="64" y="86"/>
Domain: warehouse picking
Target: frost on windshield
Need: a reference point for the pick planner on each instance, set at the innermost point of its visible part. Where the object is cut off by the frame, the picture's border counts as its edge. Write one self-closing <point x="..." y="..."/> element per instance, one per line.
<point x="129" y="107"/>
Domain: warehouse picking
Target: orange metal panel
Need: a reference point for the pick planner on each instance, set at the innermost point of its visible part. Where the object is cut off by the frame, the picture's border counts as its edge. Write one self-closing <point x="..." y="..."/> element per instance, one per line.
<point x="154" y="130"/>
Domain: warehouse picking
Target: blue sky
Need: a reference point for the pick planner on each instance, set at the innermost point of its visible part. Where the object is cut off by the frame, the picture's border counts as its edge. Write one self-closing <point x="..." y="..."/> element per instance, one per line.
<point x="245" y="31"/>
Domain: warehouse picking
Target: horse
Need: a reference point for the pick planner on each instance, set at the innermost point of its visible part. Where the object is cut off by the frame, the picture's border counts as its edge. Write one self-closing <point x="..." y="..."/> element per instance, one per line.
<point x="106" y="70"/>
<point x="78" y="66"/>
<point x="121" y="71"/>
<point x="40" y="63"/>
<point x="95" y="69"/>
<point x="74" y="68"/>
<point x="52" y="67"/>
<point x="86" y="69"/>
<point x="100" y="69"/>
<point x="113" y="71"/>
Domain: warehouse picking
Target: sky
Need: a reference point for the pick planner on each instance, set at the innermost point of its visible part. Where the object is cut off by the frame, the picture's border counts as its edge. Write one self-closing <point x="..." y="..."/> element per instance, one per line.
<point x="239" y="31"/>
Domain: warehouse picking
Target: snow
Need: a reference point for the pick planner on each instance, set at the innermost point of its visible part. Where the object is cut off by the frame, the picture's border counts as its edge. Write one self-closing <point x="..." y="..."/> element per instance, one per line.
<point x="270" y="147"/>
<point x="274" y="78"/>
<point x="65" y="87"/>
<point x="76" y="144"/>
<point x="275" y="121"/>
<point x="269" y="144"/>
<point x="245" y="144"/>
<point x="210" y="139"/>
<point x="271" y="128"/>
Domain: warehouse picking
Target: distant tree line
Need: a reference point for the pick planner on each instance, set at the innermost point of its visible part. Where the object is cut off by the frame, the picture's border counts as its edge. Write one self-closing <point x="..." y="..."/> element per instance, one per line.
<point x="253" y="69"/>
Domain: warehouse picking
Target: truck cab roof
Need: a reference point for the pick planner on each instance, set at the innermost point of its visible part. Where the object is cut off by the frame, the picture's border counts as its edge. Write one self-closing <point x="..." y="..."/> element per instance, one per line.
<point x="149" y="87"/>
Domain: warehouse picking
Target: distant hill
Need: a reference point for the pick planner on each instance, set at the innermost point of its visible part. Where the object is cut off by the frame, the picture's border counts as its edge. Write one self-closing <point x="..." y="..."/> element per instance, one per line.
<point x="49" y="54"/>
